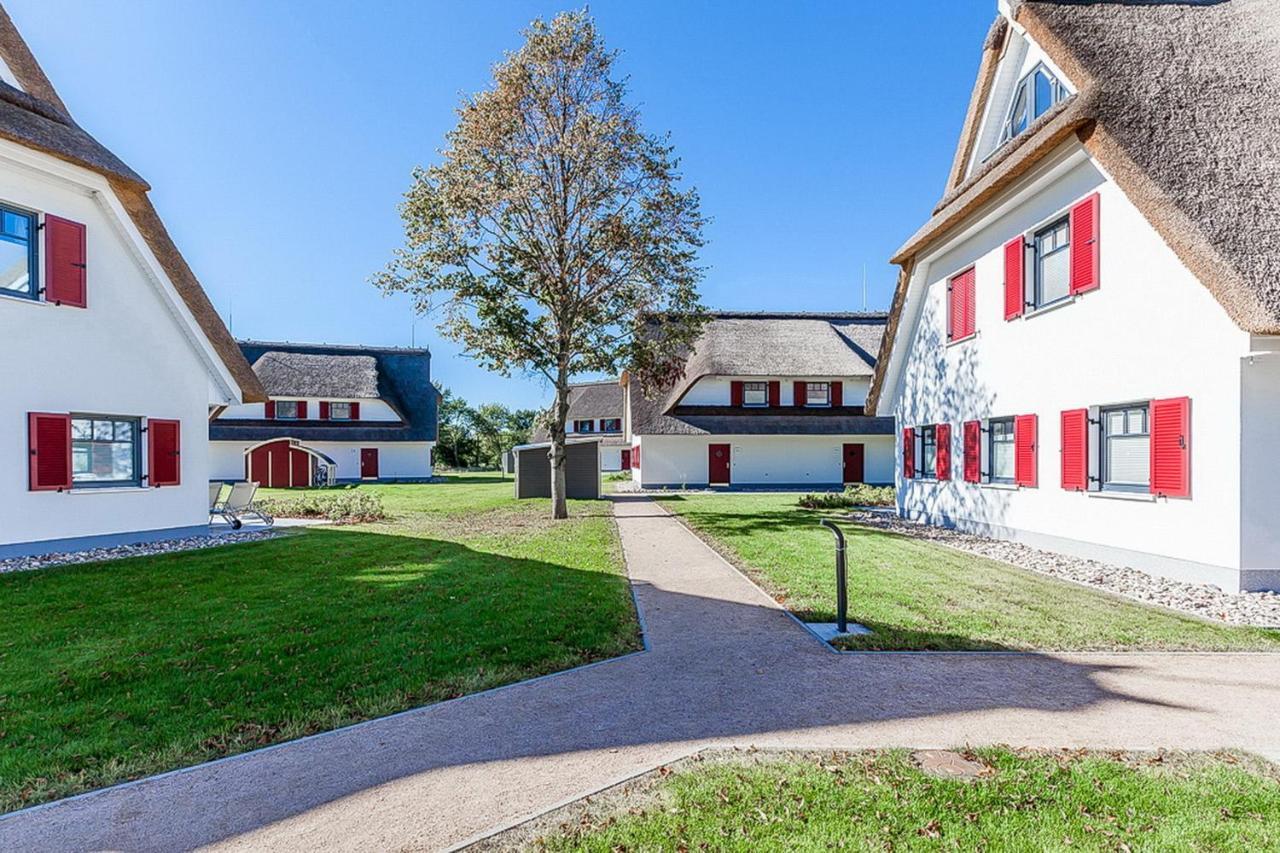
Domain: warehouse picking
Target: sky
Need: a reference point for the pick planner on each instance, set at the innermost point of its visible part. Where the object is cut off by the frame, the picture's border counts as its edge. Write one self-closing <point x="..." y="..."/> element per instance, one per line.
<point x="279" y="138"/>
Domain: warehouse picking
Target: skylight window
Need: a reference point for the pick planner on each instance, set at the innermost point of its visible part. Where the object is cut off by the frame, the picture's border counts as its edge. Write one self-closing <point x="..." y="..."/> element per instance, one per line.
<point x="1032" y="98"/>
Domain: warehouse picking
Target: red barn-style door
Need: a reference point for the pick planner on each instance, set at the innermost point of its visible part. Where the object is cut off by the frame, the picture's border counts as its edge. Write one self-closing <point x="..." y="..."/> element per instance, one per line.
<point x="718" y="464"/>
<point x="854" y="463"/>
<point x="278" y="465"/>
<point x="626" y="459"/>
<point x="368" y="463"/>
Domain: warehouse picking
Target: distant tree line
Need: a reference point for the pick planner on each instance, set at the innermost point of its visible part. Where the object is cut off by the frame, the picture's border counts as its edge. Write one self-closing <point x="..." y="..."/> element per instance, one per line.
<point x="477" y="437"/>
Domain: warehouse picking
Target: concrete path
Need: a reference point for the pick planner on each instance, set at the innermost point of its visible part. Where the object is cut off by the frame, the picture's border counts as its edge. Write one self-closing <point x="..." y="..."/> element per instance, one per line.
<point x="726" y="666"/>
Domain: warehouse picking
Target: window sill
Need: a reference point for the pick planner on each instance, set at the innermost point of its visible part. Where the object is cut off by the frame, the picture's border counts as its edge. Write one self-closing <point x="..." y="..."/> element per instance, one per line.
<point x="963" y="340"/>
<point x="18" y="297"/>
<point x="1140" y="497"/>
<point x="1001" y="487"/>
<point x="1052" y="306"/>
<point x="106" y="490"/>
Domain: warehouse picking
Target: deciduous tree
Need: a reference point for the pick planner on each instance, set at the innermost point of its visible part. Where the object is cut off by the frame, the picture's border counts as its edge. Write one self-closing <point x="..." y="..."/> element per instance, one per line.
<point x="554" y="228"/>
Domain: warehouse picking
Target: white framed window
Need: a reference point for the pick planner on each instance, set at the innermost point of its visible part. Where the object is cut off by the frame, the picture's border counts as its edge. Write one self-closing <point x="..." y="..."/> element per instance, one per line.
<point x="755" y="393"/>
<point x="339" y="411"/>
<point x="1126" y="448"/>
<point x="105" y="451"/>
<point x="817" y="394"/>
<point x="1032" y="97"/>
<point x="287" y="410"/>
<point x="1000" y="454"/>
<point x="586" y="425"/>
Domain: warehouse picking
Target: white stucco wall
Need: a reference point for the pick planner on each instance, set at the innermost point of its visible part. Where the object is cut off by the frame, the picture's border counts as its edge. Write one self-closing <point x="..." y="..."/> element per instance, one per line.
<point x="126" y="354"/>
<point x="717" y="390"/>
<point x="610" y="458"/>
<point x="396" y="460"/>
<point x="370" y="410"/>
<point x="761" y="460"/>
<point x="1151" y="330"/>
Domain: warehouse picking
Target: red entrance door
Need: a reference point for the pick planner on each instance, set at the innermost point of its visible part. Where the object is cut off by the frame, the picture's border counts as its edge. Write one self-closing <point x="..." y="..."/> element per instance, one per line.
<point x="278" y="465"/>
<point x="854" y="457"/>
<point x="626" y="459"/>
<point x="718" y="464"/>
<point x="368" y="463"/>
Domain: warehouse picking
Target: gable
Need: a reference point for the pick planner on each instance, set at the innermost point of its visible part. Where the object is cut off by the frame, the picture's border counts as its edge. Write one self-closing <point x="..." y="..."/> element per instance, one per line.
<point x="34" y="118"/>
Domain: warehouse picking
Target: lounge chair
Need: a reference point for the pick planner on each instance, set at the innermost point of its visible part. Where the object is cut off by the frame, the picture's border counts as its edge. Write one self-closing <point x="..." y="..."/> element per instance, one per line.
<point x="240" y="505"/>
<point x="215" y="492"/>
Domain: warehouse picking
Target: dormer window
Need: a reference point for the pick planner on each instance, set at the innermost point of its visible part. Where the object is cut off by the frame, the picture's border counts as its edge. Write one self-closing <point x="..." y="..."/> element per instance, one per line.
<point x="1032" y="98"/>
<point x="817" y="394"/>
<point x="755" y="393"/>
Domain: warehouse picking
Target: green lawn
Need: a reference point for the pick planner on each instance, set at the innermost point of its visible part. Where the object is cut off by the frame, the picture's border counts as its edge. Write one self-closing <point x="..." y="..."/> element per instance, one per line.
<point x="880" y="801"/>
<point x="116" y="670"/>
<point x="917" y="595"/>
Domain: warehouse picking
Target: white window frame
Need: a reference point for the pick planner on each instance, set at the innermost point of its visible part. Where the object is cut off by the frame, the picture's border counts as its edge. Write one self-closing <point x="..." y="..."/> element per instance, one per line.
<point x="988" y="440"/>
<point x="822" y="402"/>
<point x="748" y="388"/>
<point x="926" y="470"/>
<point x="1027" y="85"/>
<point x="333" y="408"/>
<point x="280" y="416"/>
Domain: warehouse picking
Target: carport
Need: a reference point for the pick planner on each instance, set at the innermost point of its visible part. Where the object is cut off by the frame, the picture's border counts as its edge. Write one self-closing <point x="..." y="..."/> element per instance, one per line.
<point x="581" y="472"/>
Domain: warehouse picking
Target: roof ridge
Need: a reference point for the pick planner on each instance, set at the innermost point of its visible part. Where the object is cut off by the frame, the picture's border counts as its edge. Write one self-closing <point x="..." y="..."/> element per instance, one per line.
<point x="799" y="315"/>
<point x="354" y="348"/>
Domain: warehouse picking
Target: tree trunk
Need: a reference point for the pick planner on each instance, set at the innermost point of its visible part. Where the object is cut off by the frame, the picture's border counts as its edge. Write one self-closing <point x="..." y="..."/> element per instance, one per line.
<point x="559" y="506"/>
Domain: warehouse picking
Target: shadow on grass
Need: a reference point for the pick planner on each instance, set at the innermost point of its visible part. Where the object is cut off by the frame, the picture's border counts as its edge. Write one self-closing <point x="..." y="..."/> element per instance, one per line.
<point x="720" y="668"/>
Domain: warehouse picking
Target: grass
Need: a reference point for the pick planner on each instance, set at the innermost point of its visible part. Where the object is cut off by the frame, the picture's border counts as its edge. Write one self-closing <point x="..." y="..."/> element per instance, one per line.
<point x="881" y="801"/>
<point x="918" y="595"/>
<point x="116" y="670"/>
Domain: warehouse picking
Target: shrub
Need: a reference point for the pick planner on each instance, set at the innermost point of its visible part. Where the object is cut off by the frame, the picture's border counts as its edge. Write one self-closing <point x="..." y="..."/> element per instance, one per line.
<point x="342" y="507"/>
<point x="858" y="494"/>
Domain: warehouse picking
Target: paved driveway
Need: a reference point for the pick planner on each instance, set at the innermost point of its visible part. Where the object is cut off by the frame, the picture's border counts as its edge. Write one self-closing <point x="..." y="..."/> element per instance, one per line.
<point x="726" y="666"/>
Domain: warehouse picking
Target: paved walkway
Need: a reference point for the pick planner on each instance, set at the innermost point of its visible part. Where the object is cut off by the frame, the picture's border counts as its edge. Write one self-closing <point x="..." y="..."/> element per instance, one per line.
<point x="726" y="666"/>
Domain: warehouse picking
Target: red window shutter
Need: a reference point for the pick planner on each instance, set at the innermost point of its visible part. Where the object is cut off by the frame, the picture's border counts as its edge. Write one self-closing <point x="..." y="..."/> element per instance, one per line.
<point x="1075" y="450"/>
<point x="1171" y="447"/>
<point x="1014" y="278"/>
<point x="943" y="458"/>
<point x="271" y="410"/>
<point x="49" y="448"/>
<point x="972" y="451"/>
<point x="837" y="394"/>
<point x="324" y="410"/>
<point x="735" y="394"/>
<point x="799" y="392"/>
<point x="1025" y="445"/>
<point x="302" y="410"/>
<point x="164" y="452"/>
<point x="1084" y="245"/>
<point x="355" y="411"/>
<point x="961" y="320"/>
<point x="775" y="394"/>
<point x="909" y="453"/>
<point x="64" y="262"/>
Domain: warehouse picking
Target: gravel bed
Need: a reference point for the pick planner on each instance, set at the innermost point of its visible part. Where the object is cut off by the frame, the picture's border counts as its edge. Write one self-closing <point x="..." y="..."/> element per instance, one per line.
<point x="143" y="549"/>
<point x="1261" y="609"/>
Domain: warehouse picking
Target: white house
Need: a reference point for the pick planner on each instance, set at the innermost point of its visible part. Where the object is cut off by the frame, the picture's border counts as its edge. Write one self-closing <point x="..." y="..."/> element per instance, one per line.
<point x="766" y="400"/>
<point x="1083" y="349"/>
<point x="333" y="414"/>
<point x="114" y="356"/>
<point x="595" y="412"/>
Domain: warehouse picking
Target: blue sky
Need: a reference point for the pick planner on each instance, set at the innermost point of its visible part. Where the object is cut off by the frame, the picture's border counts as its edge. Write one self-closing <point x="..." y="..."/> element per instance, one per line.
<point x="279" y="138"/>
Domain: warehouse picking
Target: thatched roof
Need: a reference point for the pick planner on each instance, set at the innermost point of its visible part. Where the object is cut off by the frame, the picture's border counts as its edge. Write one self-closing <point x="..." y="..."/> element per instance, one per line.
<point x="589" y="401"/>
<point x="35" y="116"/>
<point x="300" y="374"/>
<point x="400" y="377"/>
<point x="745" y="344"/>
<point x="1176" y="102"/>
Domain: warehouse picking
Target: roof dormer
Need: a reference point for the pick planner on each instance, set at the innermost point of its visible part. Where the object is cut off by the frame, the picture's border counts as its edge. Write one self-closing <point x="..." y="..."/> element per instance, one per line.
<point x="1026" y="85"/>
